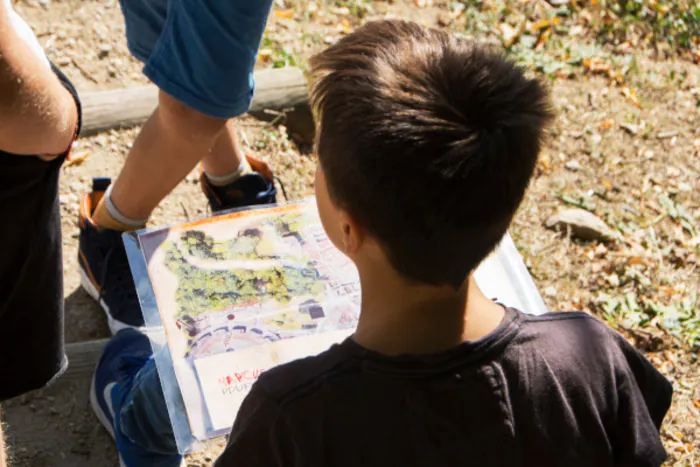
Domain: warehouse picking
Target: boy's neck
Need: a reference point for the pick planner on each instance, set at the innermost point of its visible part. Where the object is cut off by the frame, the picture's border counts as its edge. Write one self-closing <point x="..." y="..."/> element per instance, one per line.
<point x="400" y="318"/>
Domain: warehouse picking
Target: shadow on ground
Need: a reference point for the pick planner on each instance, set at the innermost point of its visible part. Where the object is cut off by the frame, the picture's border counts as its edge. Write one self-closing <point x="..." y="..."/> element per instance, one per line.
<point x="85" y="319"/>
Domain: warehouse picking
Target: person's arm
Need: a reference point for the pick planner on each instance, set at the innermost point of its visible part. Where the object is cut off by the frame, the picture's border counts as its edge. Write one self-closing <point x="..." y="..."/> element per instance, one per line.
<point x="3" y="457"/>
<point x="260" y="435"/>
<point x="37" y="114"/>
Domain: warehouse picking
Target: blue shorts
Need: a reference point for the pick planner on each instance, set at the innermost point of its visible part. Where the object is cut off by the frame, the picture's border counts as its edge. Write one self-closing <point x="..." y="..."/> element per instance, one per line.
<point x="201" y="52"/>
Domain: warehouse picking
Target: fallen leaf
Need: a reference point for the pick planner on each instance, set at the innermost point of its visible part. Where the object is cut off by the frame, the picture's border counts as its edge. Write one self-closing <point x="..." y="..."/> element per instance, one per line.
<point x="264" y="54"/>
<point x="457" y="11"/>
<point x="625" y="48"/>
<point x="77" y="158"/>
<point x="509" y="34"/>
<point x="585" y="15"/>
<point x="596" y="65"/>
<point x="343" y="10"/>
<point x="636" y="260"/>
<point x="663" y="9"/>
<point x="607" y="124"/>
<point x="542" y="39"/>
<point x="543" y="23"/>
<point x="609" y="17"/>
<point x="616" y="75"/>
<point x="346" y="26"/>
<point x="600" y="250"/>
<point x="285" y="14"/>
<point x="631" y="94"/>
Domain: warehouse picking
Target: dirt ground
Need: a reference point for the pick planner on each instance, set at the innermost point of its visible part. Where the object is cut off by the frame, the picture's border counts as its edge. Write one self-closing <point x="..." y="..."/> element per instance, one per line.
<point x="621" y="158"/>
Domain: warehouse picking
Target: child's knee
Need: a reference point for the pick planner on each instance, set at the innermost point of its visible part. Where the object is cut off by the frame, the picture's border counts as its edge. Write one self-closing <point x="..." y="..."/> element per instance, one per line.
<point x="186" y="122"/>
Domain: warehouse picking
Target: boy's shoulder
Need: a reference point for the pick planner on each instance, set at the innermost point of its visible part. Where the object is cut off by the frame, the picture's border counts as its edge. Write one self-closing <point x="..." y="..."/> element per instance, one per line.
<point x="569" y="332"/>
<point x="567" y="322"/>
<point x="291" y="380"/>
<point x="574" y="347"/>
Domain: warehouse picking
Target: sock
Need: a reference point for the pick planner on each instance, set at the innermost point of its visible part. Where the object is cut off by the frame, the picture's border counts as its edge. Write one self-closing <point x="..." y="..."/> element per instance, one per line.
<point x="223" y="180"/>
<point x="107" y="216"/>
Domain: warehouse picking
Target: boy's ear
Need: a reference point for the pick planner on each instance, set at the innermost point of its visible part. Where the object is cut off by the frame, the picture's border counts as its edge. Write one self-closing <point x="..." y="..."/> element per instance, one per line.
<point x="352" y="235"/>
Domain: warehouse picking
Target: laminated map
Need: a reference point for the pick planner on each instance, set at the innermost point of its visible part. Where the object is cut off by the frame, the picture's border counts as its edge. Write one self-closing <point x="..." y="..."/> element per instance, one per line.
<point x="234" y="295"/>
<point x="241" y="280"/>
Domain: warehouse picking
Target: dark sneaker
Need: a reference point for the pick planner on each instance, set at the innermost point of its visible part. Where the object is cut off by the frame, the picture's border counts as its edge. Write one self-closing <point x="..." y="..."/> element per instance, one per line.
<point x="123" y="357"/>
<point x="251" y="189"/>
<point x="104" y="268"/>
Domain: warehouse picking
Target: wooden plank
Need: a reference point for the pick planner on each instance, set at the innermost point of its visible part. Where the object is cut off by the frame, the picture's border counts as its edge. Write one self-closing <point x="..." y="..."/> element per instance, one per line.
<point x="282" y="90"/>
<point x="82" y="359"/>
<point x="55" y="427"/>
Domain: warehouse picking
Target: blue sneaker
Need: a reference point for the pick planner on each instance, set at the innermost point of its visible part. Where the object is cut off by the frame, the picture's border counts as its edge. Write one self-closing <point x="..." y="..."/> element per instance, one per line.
<point x="252" y="189"/>
<point x="104" y="268"/>
<point x="123" y="357"/>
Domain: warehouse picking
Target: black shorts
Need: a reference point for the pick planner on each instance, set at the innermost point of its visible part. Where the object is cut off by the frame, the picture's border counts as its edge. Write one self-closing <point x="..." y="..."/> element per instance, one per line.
<point x="31" y="271"/>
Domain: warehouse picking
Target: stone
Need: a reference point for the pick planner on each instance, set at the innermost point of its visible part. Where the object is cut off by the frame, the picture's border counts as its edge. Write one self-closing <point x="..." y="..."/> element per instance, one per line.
<point x="573" y="166"/>
<point x="582" y="224"/>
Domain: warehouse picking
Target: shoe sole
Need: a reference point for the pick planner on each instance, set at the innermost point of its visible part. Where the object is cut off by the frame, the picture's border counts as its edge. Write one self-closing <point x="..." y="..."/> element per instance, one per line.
<point x="101" y="417"/>
<point x="114" y="324"/>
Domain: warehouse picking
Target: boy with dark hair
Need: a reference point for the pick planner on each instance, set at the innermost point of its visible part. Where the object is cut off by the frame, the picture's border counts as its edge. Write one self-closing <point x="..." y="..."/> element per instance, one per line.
<point x="426" y="146"/>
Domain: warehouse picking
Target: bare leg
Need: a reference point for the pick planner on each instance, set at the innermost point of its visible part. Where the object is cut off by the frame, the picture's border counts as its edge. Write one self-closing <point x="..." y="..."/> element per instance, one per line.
<point x="226" y="155"/>
<point x="170" y="145"/>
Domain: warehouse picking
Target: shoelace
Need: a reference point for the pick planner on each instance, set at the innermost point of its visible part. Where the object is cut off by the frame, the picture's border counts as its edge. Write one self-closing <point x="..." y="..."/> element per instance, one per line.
<point x="131" y="365"/>
<point x="120" y="274"/>
<point x="284" y="191"/>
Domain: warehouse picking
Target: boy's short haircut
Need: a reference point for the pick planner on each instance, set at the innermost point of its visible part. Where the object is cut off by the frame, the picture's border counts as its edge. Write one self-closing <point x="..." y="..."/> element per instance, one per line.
<point x="428" y="141"/>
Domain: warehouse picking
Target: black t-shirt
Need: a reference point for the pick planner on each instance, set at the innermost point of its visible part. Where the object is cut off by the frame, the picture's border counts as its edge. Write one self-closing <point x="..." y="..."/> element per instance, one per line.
<point x="561" y="389"/>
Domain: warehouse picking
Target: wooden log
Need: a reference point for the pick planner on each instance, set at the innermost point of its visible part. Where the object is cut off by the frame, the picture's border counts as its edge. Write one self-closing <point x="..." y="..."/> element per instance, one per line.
<point x="55" y="426"/>
<point x="282" y="90"/>
<point x="82" y="359"/>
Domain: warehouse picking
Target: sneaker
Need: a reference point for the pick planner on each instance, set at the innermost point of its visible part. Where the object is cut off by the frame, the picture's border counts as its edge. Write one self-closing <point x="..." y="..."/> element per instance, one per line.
<point x="251" y="189"/>
<point x="104" y="267"/>
<point x="122" y="359"/>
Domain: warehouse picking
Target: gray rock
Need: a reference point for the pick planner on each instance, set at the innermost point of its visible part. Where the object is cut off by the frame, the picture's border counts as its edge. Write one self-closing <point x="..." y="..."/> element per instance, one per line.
<point x="582" y="224"/>
<point x="574" y="166"/>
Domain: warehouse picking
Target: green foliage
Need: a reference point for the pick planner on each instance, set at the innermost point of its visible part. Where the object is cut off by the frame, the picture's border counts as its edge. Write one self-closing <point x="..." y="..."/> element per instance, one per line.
<point x="681" y="318"/>
<point x="266" y="137"/>
<point x="201" y="245"/>
<point x="542" y="40"/>
<point x="357" y="8"/>
<point x="679" y="214"/>
<point x="201" y="290"/>
<point x="675" y="22"/>
<point x="280" y="56"/>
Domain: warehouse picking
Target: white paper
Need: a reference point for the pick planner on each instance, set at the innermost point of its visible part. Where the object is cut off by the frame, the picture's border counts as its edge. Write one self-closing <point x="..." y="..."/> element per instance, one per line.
<point x="226" y="378"/>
